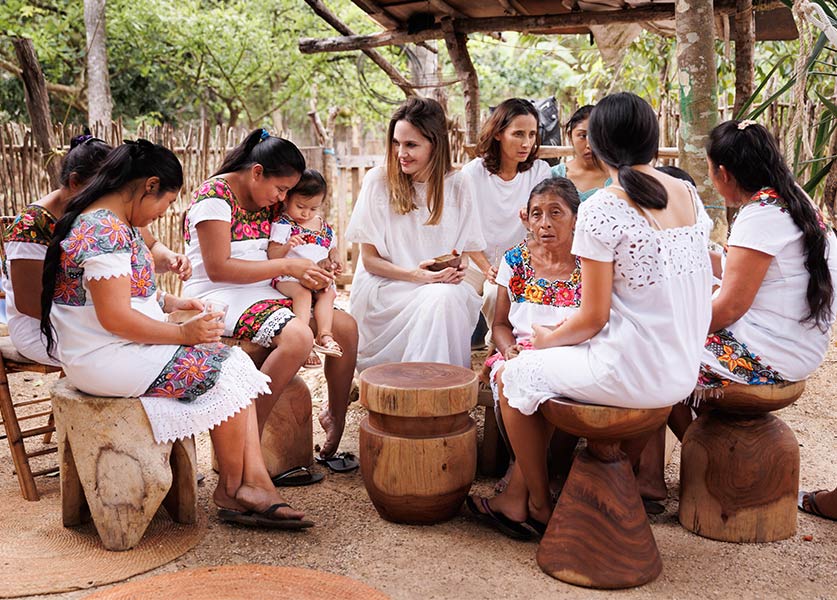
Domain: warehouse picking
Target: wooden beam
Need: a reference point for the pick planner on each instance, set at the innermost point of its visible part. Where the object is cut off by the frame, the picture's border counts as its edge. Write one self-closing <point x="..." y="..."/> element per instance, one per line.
<point x="329" y="17"/>
<point x="457" y="44"/>
<point x="347" y="42"/>
<point x="447" y="9"/>
<point x="379" y="14"/>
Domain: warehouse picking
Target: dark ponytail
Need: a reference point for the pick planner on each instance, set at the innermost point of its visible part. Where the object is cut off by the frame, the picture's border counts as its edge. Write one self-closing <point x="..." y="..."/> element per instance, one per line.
<point x="127" y="163"/>
<point x="751" y="154"/>
<point x="623" y="131"/>
<point x="278" y="157"/>
<point x="85" y="155"/>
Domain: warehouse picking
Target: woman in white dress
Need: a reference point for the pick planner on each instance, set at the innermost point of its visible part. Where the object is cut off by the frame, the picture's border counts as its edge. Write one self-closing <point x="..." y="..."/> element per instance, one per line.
<point x="504" y="172"/>
<point x="647" y="278"/>
<point x="413" y="209"/>
<point x="99" y="295"/>
<point x="27" y="239"/>
<point x="227" y="230"/>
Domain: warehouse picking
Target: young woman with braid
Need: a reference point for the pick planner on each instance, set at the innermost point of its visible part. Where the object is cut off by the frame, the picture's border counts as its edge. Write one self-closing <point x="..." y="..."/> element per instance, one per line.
<point x="100" y="304"/>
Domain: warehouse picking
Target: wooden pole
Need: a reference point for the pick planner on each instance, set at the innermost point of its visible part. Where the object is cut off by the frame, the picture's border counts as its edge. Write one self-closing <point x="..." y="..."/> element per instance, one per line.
<point x="329" y="17"/>
<point x="37" y="103"/>
<point x="698" y="99"/>
<point x="745" y="41"/>
<point x="457" y="44"/>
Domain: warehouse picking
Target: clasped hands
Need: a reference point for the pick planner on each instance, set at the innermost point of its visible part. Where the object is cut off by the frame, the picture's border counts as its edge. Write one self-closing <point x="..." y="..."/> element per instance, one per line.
<point x="447" y="275"/>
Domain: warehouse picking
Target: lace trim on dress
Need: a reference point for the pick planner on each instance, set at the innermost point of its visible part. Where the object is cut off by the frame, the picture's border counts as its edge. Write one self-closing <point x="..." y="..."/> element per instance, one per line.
<point x="272" y="326"/>
<point x="239" y="383"/>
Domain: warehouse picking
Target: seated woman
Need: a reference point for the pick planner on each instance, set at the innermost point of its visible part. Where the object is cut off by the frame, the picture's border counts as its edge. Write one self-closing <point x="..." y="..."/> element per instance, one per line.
<point x="505" y="171"/>
<point x="100" y="297"/>
<point x="647" y="276"/>
<point x="584" y="170"/>
<point x="227" y="229"/>
<point x="411" y="210"/>
<point x="539" y="283"/>
<point x="30" y="234"/>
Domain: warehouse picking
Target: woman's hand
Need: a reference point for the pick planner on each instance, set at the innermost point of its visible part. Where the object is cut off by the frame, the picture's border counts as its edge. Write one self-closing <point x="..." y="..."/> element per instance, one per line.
<point x="309" y="274"/>
<point x="202" y="329"/>
<point x="173" y="303"/>
<point x="544" y="337"/>
<point x="512" y="351"/>
<point x="180" y="265"/>
<point x="447" y="275"/>
<point x="491" y="275"/>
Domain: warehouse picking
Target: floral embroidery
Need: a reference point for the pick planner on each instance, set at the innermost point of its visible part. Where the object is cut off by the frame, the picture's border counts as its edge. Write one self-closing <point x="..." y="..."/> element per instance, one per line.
<point x="323" y="237"/>
<point x="245" y="225"/>
<point x="95" y="234"/>
<point x="254" y="317"/>
<point x="35" y="225"/>
<point x="191" y="372"/>
<point x="766" y="196"/>
<point x="735" y="358"/>
<point x="526" y="287"/>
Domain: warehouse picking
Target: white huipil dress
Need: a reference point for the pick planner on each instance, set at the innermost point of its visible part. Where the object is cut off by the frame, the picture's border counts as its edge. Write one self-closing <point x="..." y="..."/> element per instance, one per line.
<point x="184" y="389"/>
<point x="649" y="352"/>
<point x="400" y="321"/>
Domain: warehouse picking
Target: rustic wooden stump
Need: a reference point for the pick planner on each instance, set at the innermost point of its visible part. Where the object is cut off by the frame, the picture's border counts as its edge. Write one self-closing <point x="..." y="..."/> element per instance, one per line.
<point x="599" y="535"/>
<point x="418" y="446"/>
<point x="111" y="466"/>
<point x="739" y="467"/>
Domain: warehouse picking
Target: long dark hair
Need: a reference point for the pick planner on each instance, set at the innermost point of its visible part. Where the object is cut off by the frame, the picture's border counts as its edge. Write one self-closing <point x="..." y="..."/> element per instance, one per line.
<point x="85" y="155"/>
<point x="127" y="163"/>
<point x="578" y="117"/>
<point x="278" y="157"/>
<point x="751" y="155"/>
<point x="623" y="131"/>
<point x="489" y="148"/>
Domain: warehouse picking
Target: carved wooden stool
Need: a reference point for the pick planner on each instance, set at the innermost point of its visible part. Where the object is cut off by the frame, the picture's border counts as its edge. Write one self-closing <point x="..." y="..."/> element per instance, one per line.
<point x="599" y="535"/>
<point x="739" y="466"/>
<point x="110" y="463"/>
<point x="418" y="446"/>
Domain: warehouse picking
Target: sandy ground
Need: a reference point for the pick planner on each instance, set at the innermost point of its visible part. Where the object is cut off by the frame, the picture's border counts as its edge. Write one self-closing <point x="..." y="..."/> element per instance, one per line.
<point x="464" y="559"/>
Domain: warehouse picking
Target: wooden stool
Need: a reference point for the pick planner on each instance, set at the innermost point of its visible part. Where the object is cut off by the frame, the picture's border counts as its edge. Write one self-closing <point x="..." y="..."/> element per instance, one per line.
<point x="739" y="466"/>
<point x="418" y="446"/>
<point x="493" y="456"/>
<point x="111" y="464"/>
<point x="599" y="535"/>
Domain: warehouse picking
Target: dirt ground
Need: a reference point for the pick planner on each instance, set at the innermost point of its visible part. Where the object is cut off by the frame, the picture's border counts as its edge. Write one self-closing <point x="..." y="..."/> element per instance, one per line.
<point x="464" y="559"/>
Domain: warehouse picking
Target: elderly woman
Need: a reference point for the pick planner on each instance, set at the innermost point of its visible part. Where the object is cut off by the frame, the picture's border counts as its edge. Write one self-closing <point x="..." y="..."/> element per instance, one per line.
<point x="413" y="209"/>
<point x="539" y="283"/>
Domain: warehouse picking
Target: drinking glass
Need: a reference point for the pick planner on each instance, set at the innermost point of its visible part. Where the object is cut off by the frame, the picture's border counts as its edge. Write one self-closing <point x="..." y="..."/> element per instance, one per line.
<point x="214" y="306"/>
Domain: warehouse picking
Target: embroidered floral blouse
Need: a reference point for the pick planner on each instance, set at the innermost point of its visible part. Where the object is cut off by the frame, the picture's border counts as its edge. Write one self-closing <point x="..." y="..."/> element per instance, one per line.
<point x="535" y="300"/>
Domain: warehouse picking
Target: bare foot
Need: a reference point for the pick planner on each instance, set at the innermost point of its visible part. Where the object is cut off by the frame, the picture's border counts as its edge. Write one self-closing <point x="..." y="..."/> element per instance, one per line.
<point x="259" y="499"/>
<point x="333" y="431"/>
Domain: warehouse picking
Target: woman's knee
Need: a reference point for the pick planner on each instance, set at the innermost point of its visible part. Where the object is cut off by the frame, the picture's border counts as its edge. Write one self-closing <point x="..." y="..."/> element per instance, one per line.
<point x="295" y="335"/>
<point x="345" y="326"/>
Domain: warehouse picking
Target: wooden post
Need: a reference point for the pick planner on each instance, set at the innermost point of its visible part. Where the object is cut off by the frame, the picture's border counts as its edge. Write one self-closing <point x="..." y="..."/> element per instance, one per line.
<point x="37" y="102"/>
<point x="745" y="40"/>
<point x="696" y="72"/>
<point x="457" y="44"/>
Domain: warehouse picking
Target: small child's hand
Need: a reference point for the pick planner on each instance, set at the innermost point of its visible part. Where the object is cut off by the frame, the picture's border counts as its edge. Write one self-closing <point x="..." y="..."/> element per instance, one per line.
<point x="295" y="240"/>
<point x="337" y="268"/>
<point x="512" y="351"/>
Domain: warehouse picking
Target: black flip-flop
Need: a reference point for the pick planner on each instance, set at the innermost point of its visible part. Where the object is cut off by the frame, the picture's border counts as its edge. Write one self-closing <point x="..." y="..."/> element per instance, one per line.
<point x="509" y="528"/>
<point x="812" y="509"/>
<point x="652" y="507"/>
<point x="297" y="476"/>
<point x="342" y="462"/>
<point x="263" y="518"/>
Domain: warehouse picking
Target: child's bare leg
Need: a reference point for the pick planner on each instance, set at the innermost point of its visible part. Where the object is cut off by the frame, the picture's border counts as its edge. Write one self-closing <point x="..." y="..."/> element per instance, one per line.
<point x="300" y="295"/>
<point x="324" y="312"/>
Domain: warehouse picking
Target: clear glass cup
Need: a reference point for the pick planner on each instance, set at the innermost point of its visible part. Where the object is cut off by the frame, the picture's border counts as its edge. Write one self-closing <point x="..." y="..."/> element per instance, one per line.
<point x="214" y="306"/>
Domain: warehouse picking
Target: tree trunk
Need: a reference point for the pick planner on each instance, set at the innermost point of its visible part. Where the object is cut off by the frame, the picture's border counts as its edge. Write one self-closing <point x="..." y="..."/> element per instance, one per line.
<point x="37" y="103"/>
<point x="425" y="71"/>
<point x="99" y="101"/>
<point x="696" y="71"/>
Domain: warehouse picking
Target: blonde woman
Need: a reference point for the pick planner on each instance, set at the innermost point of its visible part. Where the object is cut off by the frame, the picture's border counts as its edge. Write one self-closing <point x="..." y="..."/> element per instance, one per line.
<point x="408" y="212"/>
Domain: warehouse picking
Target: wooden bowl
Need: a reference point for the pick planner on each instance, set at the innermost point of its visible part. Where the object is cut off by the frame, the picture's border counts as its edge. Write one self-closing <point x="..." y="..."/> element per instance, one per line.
<point x="446" y="260"/>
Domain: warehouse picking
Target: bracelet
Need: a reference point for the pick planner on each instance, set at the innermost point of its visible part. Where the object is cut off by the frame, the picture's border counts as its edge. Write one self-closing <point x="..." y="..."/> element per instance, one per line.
<point x="161" y="299"/>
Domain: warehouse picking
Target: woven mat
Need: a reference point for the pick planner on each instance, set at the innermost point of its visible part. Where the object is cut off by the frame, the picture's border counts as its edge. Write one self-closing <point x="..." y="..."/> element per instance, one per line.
<point x="40" y="556"/>
<point x="242" y="582"/>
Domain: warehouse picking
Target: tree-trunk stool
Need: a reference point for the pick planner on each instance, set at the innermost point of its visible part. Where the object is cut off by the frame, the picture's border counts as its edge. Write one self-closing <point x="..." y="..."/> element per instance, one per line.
<point x="599" y="535"/>
<point x="111" y="466"/>
<point x="418" y="445"/>
<point x="493" y="457"/>
<point x="739" y="466"/>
